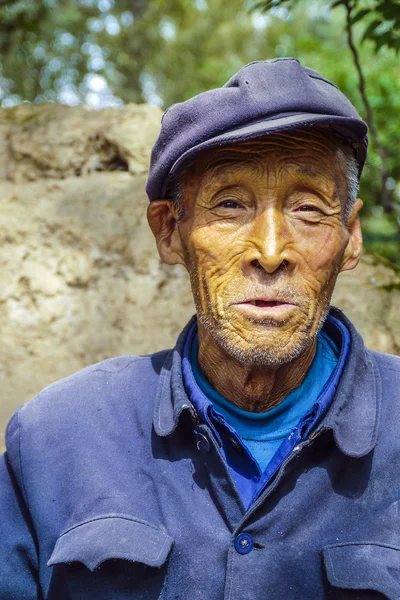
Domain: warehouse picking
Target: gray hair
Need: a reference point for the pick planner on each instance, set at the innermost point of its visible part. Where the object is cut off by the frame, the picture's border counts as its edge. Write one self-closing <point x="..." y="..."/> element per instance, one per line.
<point x="177" y="187"/>
<point x="349" y="166"/>
<point x="347" y="163"/>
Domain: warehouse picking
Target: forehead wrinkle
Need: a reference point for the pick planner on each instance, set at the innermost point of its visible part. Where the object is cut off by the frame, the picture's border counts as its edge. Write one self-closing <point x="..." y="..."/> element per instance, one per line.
<point x="307" y="170"/>
<point x="259" y="153"/>
<point x="221" y="165"/>
<point x="263" y="158"/>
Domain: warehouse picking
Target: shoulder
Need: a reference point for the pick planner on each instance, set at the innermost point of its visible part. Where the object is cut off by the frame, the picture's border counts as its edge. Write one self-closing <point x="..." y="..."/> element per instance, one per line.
<point x="388" y="364"/>
<point x="389" y="383"/>
<point x="93" y="397"/>
<point x="112" y="379"/>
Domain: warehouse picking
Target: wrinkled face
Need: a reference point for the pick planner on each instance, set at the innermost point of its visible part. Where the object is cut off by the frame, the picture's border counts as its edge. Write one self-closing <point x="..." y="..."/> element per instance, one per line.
<point x="263" y="240"/>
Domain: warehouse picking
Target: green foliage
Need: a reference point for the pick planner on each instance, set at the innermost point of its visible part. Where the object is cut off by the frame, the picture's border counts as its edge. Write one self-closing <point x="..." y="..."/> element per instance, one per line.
<point x="384" y="22"/>
<point x="382" y="18"/>
<point x="41" y="47"/>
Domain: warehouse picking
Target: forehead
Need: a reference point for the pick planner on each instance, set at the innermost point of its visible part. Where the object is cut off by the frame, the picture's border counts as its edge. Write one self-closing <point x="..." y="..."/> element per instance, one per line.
<point x="309" y="154"/>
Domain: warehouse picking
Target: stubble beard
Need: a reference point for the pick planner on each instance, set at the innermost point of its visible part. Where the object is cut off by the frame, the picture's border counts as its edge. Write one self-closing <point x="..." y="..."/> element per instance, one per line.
<point x="257" y="356"/>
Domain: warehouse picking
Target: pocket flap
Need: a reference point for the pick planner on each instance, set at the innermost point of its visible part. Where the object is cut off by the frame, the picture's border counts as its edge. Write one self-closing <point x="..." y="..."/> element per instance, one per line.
<point x="110" y="537"/>
<point x="364" y="566"/>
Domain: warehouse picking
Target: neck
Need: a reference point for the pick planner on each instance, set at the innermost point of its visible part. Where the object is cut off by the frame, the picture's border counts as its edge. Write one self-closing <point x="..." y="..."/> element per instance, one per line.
<point x="252" y="388"/>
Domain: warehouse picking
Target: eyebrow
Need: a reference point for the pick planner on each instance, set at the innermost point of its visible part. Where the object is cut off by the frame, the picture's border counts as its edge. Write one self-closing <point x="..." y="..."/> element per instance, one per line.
<point x="325" y="199"/>
<point x="310" y="173"/>
<point x="307" y="170"/>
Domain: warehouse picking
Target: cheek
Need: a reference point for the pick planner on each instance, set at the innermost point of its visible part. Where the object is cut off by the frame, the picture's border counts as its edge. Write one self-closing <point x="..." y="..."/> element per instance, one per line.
<point x="321" y="258"/>
<point x="216" y="258"/>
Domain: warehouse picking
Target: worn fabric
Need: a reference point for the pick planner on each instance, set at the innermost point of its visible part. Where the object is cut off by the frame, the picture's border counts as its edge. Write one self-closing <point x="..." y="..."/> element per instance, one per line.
<point x="262" y="433"/>
<point x="262" y="98"/>
<point x="112" y="489"/>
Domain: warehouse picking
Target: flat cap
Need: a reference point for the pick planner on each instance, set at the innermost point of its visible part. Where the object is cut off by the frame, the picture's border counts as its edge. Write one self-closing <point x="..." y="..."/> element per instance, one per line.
<point x="262" y="98"/>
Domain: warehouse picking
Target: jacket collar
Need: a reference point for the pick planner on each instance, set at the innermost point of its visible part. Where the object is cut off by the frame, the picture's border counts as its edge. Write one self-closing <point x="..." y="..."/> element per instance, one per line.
<point x="171" y="398"/>
<point x="352" y="417"/>
<point x="354" y="413"/>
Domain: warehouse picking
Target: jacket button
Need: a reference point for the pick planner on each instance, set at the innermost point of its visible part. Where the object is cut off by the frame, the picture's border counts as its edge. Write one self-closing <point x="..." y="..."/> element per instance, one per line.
<point x="244" y="543"/>
<point x="202" y="442"/>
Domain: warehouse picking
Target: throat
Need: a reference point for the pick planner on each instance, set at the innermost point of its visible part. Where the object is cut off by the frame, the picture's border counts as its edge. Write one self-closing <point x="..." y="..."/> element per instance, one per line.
<point x="252" y="388"/>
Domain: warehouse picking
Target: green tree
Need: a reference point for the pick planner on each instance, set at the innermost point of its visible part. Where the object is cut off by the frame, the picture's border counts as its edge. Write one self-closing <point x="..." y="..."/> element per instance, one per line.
<point x="158" y="49"/>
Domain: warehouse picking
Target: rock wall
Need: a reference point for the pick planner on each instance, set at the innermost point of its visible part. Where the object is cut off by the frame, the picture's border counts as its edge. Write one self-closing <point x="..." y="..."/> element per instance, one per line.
<point x="80" y="278"/>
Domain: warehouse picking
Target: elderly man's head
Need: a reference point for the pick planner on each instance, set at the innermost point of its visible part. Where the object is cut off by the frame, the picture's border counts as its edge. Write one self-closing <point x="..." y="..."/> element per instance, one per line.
<point x="253" y="188"/>
<point x="263" y="228"/>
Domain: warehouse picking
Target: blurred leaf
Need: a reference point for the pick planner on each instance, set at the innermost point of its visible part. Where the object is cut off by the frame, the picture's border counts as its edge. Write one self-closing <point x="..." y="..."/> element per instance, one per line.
<point x="267" y="5"/>
<point x="389" y="10"/>
<point x="370" y="32"/>
<point x="359" y="15"/>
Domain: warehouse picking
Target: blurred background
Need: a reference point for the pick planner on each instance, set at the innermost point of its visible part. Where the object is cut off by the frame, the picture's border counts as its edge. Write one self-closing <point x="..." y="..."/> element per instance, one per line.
<point x="108" y="53"/>
<point x="83" y="84"/>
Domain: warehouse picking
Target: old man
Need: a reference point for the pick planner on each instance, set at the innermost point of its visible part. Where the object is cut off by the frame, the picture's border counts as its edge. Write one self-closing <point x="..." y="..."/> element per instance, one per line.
<point x="259" y="458"/>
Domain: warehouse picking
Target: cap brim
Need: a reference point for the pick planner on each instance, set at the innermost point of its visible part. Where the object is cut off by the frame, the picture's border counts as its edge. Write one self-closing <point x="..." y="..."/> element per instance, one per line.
<point x="343" y="125"/>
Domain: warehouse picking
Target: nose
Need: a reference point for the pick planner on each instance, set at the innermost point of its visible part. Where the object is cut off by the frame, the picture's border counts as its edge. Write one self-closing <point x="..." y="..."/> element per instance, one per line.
<point x="268" y="244"/>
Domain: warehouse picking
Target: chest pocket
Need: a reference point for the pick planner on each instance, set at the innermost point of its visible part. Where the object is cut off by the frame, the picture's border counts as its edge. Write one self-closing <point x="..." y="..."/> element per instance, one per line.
<point x="115" y="557"/>
<point x="373" y="569"/>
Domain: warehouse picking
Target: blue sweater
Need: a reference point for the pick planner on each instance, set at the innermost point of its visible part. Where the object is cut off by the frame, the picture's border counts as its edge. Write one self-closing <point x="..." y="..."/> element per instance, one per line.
<point x="264" y="432"/>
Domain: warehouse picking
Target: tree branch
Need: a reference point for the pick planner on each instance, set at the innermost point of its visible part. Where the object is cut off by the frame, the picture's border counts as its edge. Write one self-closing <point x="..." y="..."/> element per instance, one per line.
<point x="386" y="194"/>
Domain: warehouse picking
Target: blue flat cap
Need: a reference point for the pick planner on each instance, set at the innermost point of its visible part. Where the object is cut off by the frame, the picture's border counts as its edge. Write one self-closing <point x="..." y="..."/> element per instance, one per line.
<point x="262" y="98"/>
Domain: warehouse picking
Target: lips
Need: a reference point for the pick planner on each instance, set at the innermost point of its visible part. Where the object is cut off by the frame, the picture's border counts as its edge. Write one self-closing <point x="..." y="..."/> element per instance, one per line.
<point x="274" y="310"/>
<point x="266" y="302"/>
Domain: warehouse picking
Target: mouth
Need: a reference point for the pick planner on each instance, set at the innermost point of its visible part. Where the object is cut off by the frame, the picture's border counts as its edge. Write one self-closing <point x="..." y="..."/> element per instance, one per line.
<point x="266" y="302"/>
<point x="266" y="308"/>
<point x="262" y="302"/>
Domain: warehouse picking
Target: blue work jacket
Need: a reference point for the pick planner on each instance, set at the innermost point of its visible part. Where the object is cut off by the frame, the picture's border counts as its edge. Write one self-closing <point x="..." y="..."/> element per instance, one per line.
<point x="111" y="489"/>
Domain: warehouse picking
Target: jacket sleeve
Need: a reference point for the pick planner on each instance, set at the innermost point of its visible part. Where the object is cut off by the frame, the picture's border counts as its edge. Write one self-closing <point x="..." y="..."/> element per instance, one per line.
<point x="18" y="555"/>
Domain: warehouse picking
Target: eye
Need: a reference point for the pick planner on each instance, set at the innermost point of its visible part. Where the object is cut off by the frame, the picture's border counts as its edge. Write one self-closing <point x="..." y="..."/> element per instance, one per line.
<point x="229" y="204"/>
<point x="310" y="208"/>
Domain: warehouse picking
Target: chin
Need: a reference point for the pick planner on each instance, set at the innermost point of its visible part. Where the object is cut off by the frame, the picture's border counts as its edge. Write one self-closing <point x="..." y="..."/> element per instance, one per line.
<point x="268" y="355"/>
<point x="260" y="348"/>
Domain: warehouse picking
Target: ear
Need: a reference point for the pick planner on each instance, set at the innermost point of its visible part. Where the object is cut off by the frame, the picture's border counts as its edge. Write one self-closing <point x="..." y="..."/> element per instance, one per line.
<point x="354" y="246"/>
<point x="163" y="220"/>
